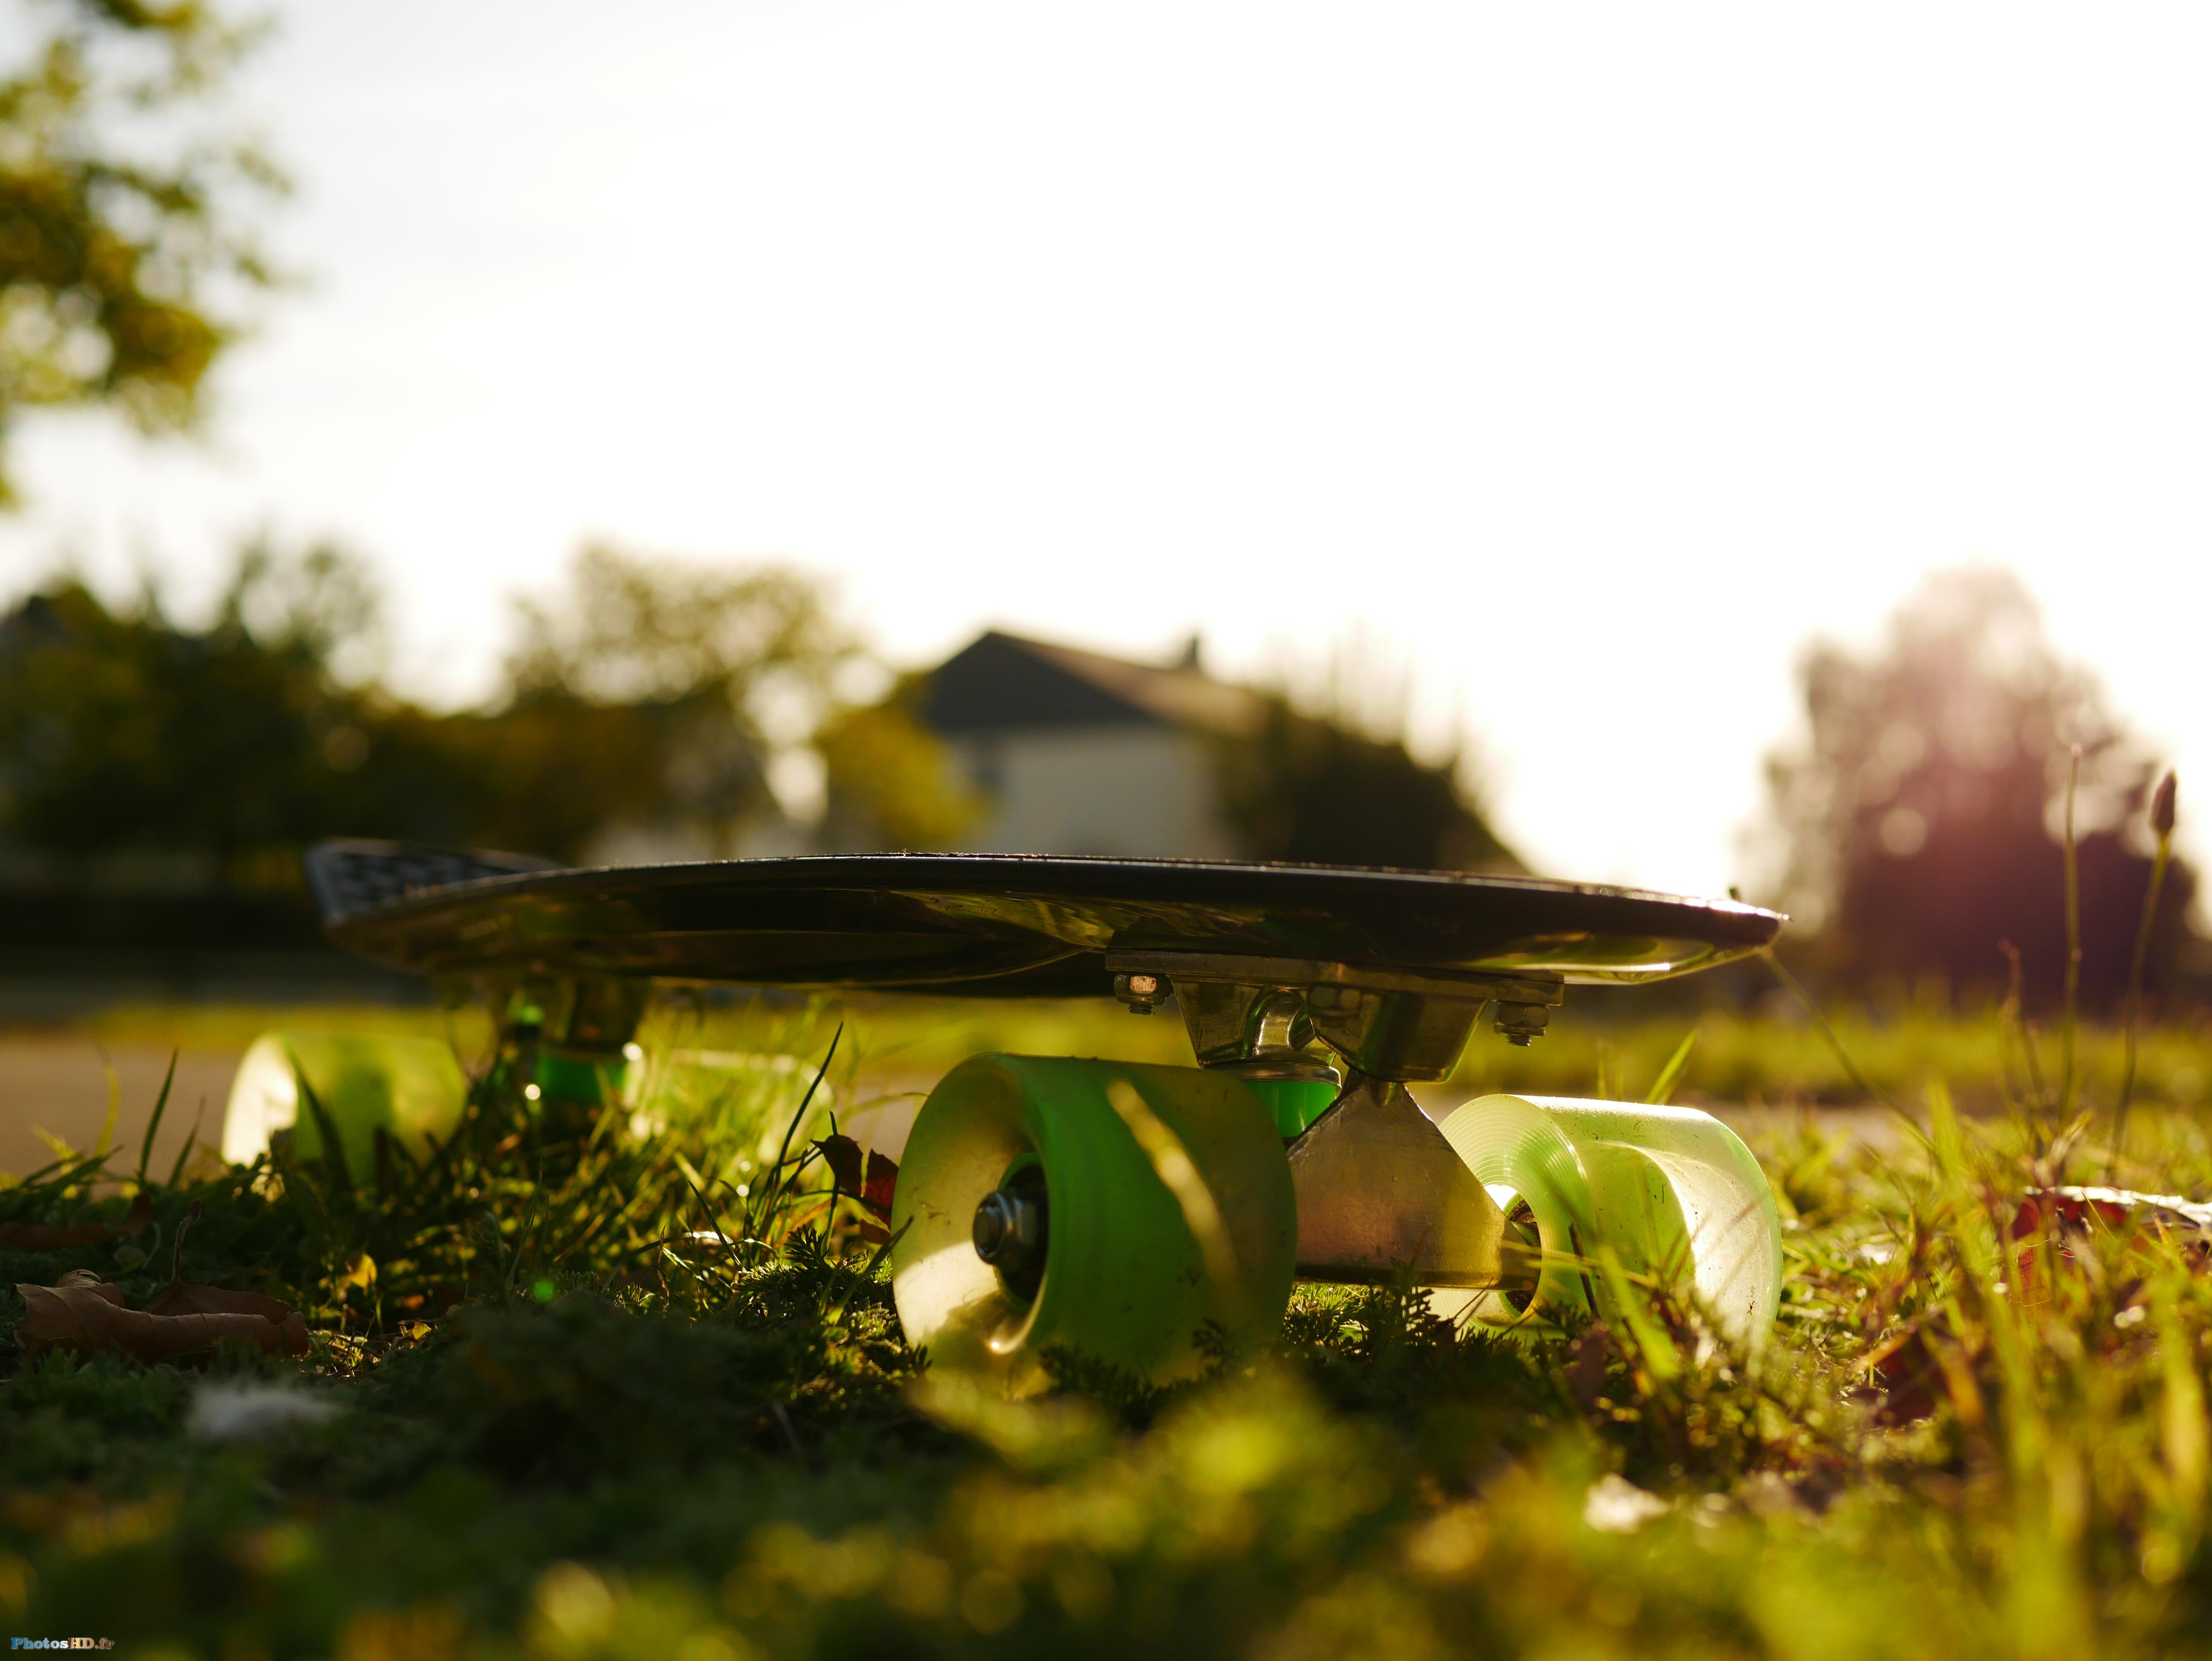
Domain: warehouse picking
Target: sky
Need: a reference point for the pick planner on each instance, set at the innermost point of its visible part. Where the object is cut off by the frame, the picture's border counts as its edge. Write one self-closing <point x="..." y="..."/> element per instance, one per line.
<point x="1580" y="362"/>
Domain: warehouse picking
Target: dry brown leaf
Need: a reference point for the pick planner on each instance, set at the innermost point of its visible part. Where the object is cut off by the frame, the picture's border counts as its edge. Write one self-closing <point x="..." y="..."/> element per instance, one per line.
<point x="181" y="1297"/>
<point x="842" y="1155"/>
<point x="57" y="1236"/>
<point x="86" y="1316"/>
<point x="53" y="1237"/>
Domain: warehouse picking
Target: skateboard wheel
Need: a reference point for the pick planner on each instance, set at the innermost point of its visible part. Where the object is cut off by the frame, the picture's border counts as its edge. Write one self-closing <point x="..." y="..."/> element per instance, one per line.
<point x="1104" y="1208"/>
<point x="1673" y="1191"/>
<point x="412" y="1089"/>
<point x="1295" y="1104"/>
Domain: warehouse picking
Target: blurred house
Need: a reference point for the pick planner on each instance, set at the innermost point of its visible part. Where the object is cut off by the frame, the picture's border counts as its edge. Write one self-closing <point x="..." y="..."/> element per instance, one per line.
<point x="1070" y="752"/>
<point x="1074" y="752"/>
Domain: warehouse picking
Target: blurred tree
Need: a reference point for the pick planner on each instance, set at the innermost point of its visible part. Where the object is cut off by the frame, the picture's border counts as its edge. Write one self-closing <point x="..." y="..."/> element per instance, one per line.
<point x="648" y="706"/>
<point x="650" y="700"/>
<point x="120" y="732"/>
<point x="655" y="702"/>
<point x="631" y="629"/>
<point x="1920" y="826"/>
<point x="890" y="783"/>
<point x="1315" y="789"/>
<point x="124" y="257"/>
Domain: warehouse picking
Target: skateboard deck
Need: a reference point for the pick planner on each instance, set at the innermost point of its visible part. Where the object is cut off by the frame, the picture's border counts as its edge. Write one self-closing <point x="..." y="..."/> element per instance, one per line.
<point x="995" y="924"/>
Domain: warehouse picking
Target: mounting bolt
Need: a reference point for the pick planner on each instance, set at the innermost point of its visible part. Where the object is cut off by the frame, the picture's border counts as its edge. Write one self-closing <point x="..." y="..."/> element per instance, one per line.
<point x="1143" y="994"/>
<point x="1520" y="1022"/>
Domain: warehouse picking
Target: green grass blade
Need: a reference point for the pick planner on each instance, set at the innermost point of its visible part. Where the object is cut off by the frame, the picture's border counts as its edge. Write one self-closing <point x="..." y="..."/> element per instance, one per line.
<point x="1797" y="989"/>
<point x="177" y="1170"/>
<point x="2135" y="965"/>
<point x="334" y="1157"/>
<point x="2068" y="1017"/>
<point x="114" y="1106"/>
<point x="1662" y="1087"/>
<point x="153" y="1124"/>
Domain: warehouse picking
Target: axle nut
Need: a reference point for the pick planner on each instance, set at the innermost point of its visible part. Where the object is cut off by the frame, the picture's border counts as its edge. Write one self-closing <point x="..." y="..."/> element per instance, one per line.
<point x="1010" y="1231"/>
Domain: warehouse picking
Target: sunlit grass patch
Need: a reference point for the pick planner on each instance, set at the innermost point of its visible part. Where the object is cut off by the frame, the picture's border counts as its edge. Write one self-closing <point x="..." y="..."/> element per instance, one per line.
<point x="587" y="1398"/>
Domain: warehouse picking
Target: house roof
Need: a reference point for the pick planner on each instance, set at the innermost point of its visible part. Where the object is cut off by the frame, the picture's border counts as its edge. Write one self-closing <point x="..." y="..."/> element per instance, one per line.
<point x="1005" y="681"/>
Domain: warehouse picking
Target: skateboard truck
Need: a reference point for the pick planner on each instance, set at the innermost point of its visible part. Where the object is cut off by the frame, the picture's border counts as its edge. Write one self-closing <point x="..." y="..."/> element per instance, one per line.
<point x="1391" y="1024"/>
<point x="1378" y="1188"/>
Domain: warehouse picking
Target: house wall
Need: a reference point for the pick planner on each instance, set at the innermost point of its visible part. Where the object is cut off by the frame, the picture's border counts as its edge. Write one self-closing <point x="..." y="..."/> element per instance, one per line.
<point x="1131" y="789"/>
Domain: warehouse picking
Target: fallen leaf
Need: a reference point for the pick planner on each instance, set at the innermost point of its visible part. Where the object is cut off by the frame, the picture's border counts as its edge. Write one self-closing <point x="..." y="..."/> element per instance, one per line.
<point x="181" y="1298"/>
<point x="53" y="1237"/>
<point x="57" y="1236"/>
<point x="1588" y="1363"/>
<point x="86" y="1316"/>
<point x="1904" y="1377"/>
<point x="2067" y="1216"/>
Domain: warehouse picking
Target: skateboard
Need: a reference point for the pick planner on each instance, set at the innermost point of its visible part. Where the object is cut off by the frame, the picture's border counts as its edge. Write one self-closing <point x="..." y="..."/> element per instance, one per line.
<point x="1120" y="1210"/>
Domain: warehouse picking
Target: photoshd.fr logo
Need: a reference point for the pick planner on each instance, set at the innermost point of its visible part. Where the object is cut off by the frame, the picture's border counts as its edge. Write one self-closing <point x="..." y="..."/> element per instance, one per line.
<point x="61" y="1642"/>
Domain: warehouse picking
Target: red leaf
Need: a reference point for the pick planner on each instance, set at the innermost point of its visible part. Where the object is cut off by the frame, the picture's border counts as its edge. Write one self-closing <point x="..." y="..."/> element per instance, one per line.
<point x="882" y="1184"/>
<point x="2068" y="1215"/>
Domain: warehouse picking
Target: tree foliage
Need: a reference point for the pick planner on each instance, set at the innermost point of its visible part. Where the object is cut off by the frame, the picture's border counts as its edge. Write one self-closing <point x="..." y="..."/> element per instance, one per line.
<point x="121" y="731"/>
<point x="683" y="685"/>
<point x="891" y="783"/>
<point x="126" y="254"/>
<point x="1316" y="789"/>
<point x="1922" y="823"/>
<point x="645" y="708"/>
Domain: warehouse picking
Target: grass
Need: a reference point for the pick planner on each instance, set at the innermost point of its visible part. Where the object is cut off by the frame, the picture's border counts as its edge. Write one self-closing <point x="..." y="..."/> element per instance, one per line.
<point x="581" y="1409"/>
<point x="1605" y="1043"/>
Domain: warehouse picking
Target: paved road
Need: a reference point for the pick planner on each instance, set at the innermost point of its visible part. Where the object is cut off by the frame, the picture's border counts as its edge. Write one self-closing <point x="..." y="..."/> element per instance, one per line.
<point x="57" y="1084"/>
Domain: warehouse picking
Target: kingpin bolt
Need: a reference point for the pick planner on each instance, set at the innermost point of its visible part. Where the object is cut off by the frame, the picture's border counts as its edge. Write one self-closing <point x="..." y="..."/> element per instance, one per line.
<point x="1520" y="1022"/>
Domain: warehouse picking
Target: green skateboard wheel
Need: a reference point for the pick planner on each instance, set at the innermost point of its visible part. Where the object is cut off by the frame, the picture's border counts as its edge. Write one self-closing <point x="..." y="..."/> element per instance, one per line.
<point x="1673" y="1192"/>
<point x="1295" y="1104"/>
<point x="1104" y="1208"/>
<point x="412" y="1089"/>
